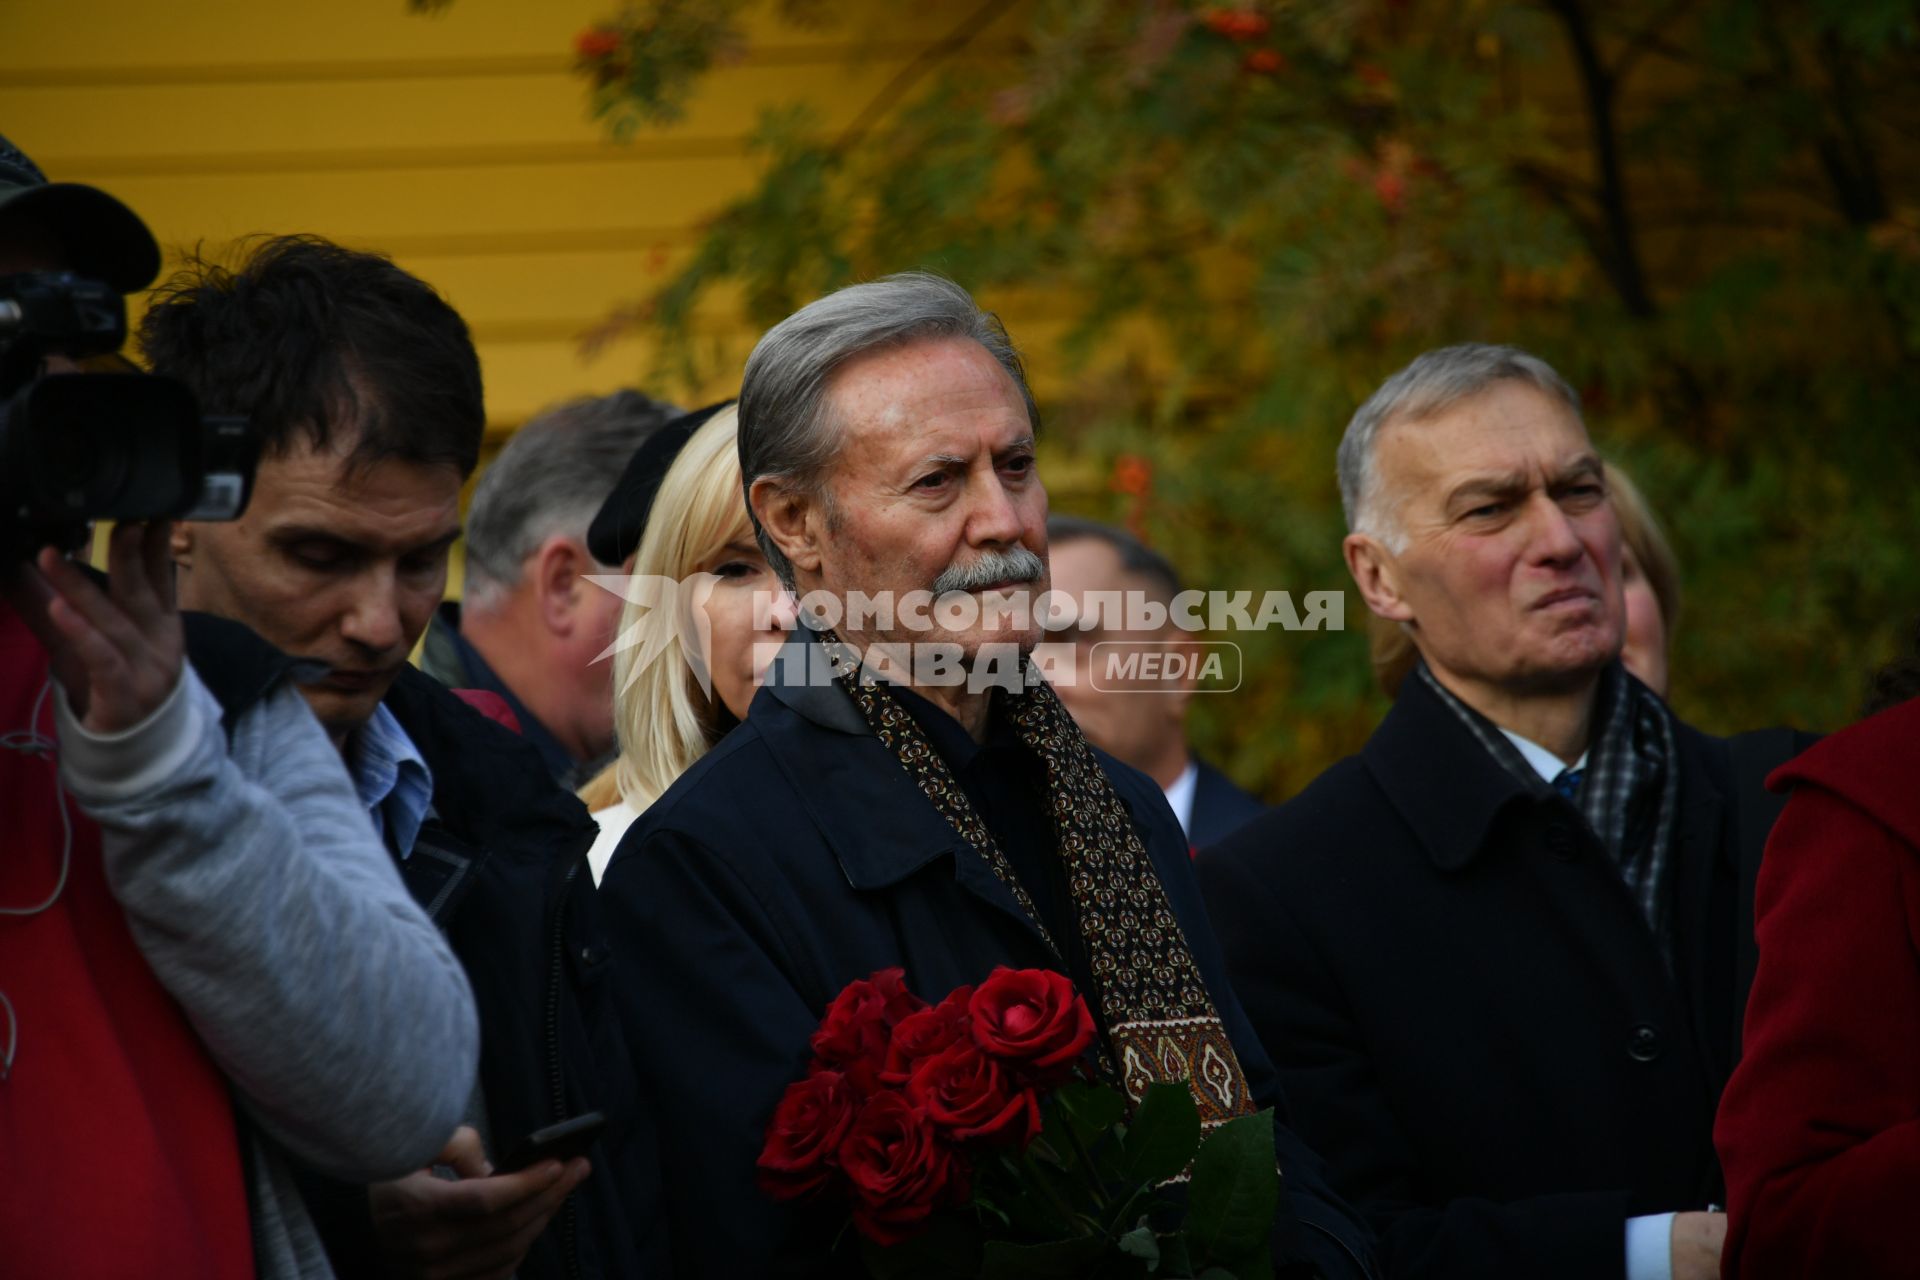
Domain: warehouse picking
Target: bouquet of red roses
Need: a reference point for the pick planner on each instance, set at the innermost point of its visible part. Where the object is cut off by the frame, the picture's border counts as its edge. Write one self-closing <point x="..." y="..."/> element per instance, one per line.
<point x="968" y="1140"/>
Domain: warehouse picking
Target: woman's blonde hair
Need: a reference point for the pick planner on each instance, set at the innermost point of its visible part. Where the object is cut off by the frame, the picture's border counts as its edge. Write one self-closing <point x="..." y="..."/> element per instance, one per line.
<point x="1391" y="649"/>
<point x="663" y="720"/>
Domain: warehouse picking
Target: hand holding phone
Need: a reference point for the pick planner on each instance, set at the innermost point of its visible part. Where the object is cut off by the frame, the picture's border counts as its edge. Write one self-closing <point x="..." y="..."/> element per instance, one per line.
<point x="562" y="1142"/>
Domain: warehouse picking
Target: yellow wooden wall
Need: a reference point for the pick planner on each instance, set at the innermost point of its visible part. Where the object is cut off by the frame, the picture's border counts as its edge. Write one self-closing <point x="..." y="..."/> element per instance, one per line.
<point x="457" y="141"/>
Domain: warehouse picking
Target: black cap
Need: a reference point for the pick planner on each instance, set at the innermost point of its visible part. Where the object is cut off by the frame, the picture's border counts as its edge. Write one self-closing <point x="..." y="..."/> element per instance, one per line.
<point x="99" y="236"/>
<point x="622" y="519"/>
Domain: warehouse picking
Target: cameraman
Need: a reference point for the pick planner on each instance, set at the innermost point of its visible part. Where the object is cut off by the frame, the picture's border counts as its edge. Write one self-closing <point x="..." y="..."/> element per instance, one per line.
<point x="208" y="967"/>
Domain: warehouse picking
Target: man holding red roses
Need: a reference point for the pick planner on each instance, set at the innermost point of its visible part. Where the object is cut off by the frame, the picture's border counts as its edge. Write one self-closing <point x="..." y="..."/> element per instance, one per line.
<point x="874" y="813"/>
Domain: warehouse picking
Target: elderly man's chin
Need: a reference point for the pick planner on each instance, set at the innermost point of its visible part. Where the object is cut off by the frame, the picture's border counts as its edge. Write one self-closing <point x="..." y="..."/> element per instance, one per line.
<point x="1571" y="659"/>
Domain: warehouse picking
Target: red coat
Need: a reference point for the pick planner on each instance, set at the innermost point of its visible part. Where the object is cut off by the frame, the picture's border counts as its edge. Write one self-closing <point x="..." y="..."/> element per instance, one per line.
<point x="117" y="1148"/>
<point x="1819" y="1129"/>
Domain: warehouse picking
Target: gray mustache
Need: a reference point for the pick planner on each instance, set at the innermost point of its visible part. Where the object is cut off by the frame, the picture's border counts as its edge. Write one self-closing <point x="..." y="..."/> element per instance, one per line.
<point x="1017" y="565"/>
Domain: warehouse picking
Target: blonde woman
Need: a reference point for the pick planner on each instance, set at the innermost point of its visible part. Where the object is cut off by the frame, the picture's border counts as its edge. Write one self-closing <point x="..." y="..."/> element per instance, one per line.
<point x="696" y="532"/>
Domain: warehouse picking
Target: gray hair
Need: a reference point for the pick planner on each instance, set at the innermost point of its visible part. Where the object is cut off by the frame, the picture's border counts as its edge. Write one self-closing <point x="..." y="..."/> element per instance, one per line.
<point x="1432" y="384"/>
<point x="787" y="428"/>
<point x="551" y="478"/>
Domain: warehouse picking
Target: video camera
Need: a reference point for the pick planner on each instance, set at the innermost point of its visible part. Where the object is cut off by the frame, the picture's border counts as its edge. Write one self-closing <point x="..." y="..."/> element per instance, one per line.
<point x="85" y="446"/>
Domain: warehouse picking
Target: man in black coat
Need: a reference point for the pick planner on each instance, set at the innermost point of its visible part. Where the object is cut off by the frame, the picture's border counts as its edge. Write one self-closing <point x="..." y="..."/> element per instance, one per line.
<point x="873" y="812"/>
<point x="1496" y="955"/>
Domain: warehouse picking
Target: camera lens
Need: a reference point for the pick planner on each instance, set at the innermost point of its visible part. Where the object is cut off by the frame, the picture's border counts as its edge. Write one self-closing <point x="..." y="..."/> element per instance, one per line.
<point x="103" y="446"/>
<point x="80" y="468"/>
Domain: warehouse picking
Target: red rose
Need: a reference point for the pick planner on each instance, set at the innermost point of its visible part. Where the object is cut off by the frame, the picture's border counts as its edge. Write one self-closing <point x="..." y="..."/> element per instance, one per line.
<point x="804" y="1136"/>
<point x="854" y="1032"/>
<point x="596" y="43"/>
<point x="891" y="984"/>
<point x="1031" y="1017"/>
<point x="920" y="1036"/>
<point x="899" y="1169"/>
<point x="967" y="1093"/>
<point x="1265" y="62"/>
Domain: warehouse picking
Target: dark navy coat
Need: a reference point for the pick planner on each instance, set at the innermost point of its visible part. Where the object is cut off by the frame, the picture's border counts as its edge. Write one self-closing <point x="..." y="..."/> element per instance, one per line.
<point x="794" y="858"/>
<point x="1471" y="1015"/>
<point x="1219" y="807"/>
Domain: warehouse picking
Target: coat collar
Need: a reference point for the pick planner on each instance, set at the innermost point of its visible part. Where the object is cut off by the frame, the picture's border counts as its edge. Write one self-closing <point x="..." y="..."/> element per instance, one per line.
<point x="801" y="677"/>
<point x="861" y="801"/>
<point x="1438" y="777"/>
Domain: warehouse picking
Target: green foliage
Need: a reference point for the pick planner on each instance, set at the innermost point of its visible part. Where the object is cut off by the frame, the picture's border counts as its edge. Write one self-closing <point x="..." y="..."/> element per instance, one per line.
<point x="1235" y="1194"/>
<point x="1164" y="1134"/>
<point x="1244" y="218"/>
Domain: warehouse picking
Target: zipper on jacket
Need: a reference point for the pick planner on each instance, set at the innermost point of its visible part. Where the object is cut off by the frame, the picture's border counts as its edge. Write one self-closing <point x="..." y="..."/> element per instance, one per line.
<point x="556" y="1069"/>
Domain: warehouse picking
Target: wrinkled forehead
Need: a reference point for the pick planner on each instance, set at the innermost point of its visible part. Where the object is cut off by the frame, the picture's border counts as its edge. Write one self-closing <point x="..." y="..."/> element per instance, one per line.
<point x="389" y="501"/>
<point x="1511" y="429"/>
<point x="896" y="397"/>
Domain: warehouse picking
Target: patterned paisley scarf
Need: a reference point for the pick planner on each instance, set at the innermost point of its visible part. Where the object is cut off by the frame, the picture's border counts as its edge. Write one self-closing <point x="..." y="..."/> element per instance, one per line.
<point x="1161" y="1022"/>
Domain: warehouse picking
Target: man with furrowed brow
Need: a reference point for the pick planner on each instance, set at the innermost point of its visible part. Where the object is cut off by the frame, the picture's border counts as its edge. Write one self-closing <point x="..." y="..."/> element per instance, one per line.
<point x="898" y="818"/>
<point x="1500" y="955"/>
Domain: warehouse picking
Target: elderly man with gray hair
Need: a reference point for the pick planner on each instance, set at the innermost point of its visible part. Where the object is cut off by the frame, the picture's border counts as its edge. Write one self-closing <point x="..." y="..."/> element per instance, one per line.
<point x="532" y="627"/>
<point x="1500" y="955"/>
<point x="906" y="794"/>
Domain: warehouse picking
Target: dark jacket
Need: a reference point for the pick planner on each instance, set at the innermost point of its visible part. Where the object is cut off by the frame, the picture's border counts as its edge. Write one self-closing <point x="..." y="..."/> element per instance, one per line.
<point x="1219" y="807"/>
<point x="1820" y="1126"/>
<point x="451" y="659"/>
<point x="794" y="858"/>
<point x="1470" y="1014"/>
<point x="500" y="865"/>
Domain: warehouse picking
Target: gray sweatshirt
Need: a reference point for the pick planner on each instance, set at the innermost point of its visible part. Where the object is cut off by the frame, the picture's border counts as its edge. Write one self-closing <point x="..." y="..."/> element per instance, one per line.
<point x="257" y="891"/>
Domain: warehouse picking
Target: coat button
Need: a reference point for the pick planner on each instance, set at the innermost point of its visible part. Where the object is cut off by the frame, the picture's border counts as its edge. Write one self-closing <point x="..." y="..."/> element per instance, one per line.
<point x="1561" y="844"/>
<point x="1644" y="1044"/>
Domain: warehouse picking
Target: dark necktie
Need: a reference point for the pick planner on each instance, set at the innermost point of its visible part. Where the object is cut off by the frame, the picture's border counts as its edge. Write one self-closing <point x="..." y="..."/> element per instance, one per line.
<point x="1567" y="783"/>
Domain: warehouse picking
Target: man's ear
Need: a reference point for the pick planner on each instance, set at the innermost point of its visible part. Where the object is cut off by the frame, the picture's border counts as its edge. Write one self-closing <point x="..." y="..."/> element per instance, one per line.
<point x="1377" y="574"/>
<point x="180" y="544"/>
<point x="555" y="570"/>
<point x="791" y="519"/>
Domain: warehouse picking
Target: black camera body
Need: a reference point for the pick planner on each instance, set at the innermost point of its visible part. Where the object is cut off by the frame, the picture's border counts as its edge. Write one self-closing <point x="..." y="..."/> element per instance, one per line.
<point x="80" y="447"/>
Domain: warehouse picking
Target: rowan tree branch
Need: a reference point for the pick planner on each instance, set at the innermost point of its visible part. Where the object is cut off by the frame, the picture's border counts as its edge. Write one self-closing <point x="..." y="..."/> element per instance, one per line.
<point x="924" y="62"/>
<point x="1618" y="248"/>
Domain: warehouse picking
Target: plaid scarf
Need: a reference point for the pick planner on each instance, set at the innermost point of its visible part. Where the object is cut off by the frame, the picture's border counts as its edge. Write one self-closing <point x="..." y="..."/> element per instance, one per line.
<point x="1630" y="794"/>
<point x="1161" y="1022"/>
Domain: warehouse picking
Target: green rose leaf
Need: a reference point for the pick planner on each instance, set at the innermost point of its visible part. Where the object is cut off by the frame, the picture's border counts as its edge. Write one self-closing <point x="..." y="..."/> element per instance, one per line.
<point x="1093" y="1108"/>
<point x="1235" y="1189"/>
<point x="1163" y="1136"/>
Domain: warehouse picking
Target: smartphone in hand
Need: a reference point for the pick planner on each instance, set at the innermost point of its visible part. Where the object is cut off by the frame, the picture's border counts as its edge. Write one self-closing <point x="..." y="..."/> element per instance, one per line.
<point x="560" y="1142"/>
